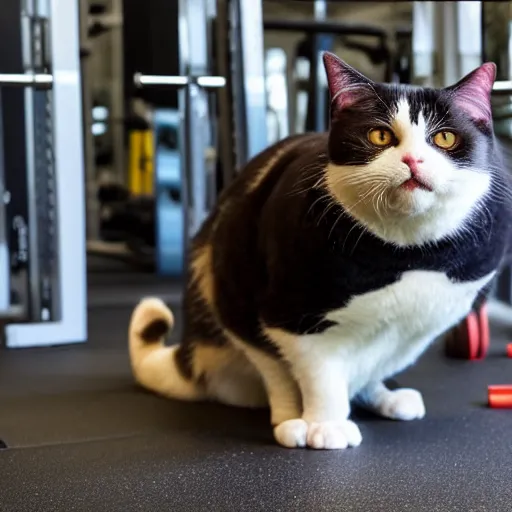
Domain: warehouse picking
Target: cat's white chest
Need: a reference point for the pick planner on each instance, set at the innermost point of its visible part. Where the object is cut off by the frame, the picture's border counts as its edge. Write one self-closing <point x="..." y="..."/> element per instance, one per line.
<point x="381" y="332"/>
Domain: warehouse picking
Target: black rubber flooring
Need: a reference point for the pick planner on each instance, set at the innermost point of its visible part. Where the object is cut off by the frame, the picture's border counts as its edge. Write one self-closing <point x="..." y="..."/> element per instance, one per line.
<point x="81" y="437"/>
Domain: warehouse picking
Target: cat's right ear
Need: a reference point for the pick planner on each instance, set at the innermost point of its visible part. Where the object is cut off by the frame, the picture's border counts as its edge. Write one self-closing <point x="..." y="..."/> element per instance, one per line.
<point x="346" y="85"/>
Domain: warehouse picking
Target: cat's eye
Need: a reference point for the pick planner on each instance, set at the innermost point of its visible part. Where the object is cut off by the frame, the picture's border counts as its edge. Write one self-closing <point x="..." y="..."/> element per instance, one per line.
<point x="381" y="137"/>
<point x="446" y="140"/>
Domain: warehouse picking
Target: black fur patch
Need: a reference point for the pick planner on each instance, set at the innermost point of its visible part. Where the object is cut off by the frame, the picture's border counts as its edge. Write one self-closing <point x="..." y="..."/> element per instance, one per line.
<point x="183" y="358"/>
<point x="154" y="331"/>
<point x="200" y="323"/>
<point x="348" y="140"/>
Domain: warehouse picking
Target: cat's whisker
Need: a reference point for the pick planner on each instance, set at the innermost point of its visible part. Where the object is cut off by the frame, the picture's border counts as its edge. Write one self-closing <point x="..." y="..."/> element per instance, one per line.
<point x="363" y="231"/>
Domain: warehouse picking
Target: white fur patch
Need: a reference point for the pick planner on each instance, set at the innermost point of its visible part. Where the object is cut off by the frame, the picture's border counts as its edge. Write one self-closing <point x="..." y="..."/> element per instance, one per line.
<point x="382" y="332"/>
<point x="402" y="404"/>
<point x="378" y="334"/>
<point x="337" y="435"/>
<point x="372" y="192"/>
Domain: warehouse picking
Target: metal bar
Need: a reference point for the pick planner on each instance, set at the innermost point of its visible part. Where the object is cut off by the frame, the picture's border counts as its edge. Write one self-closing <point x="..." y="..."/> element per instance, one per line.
<point x="199" y="135"/>
<point x="33" y="65"/>
<point x="177" y="82"/>
<point x="469" y="43"/>
<point x="317" y="93"/>
<point x="158" y="80"/>
<point x="210" y="82"/>
<point x="5" y="279"/>
<point x="423" y="43"/>
<point x="448" y="43"/>
<point x="92" y="202"/>
<point x="502" y="88"/>
<point x="116" y="89"/>
<point x="223" y="66"/>
<point x="253" y="118"/>
<point x="323" y="27"/>
<point x="39" y="80"/>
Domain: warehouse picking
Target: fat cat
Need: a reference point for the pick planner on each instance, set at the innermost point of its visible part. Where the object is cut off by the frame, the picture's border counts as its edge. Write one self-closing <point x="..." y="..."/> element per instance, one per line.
<point x="335" y="259"/>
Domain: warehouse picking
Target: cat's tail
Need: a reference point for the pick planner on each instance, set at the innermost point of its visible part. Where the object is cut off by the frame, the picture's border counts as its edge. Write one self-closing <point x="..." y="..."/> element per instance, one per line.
<point x="154" y="364"/>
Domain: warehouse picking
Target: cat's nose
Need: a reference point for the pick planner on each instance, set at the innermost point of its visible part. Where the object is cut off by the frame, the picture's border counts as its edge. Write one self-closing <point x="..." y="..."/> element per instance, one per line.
<point x="412" y="162"/>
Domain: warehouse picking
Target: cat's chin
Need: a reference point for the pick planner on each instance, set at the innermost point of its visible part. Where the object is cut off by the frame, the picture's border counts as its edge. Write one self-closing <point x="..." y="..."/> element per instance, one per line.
<point x="407" y="202"/>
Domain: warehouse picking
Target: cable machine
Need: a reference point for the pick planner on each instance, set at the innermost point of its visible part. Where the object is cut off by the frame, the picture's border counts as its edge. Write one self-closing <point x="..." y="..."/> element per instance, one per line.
<point x="42" y="234"/>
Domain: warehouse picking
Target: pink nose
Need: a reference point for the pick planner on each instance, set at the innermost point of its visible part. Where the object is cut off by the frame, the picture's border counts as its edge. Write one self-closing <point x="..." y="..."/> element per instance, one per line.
<point x="412" y="162"/>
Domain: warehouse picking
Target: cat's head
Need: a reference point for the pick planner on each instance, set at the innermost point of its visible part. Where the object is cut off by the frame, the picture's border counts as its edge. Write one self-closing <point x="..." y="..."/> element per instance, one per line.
<point x="410" y="163"/>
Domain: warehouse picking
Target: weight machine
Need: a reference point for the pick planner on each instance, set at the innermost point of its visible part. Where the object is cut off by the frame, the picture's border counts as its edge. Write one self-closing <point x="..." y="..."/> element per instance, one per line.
<point x="221" y="75"/>
<point x="42" y="217"/>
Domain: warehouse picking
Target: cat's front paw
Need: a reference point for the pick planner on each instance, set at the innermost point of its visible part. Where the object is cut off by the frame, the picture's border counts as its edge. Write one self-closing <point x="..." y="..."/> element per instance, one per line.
<point x="292" y="433"/>
<point x="334" y="435"/>
<point x="402" y="404"/>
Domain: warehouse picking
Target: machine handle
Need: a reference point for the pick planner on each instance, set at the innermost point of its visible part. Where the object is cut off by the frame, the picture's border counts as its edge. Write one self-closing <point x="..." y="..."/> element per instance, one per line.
<point x="36" y="80"/>
<point x="178" y="82"/>
<point x="502" y="88"/>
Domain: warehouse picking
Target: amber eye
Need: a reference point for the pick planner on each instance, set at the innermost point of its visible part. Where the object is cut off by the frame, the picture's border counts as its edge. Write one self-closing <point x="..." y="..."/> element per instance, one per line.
<point x="446" y="140"/>
<point x="380" y="137"/>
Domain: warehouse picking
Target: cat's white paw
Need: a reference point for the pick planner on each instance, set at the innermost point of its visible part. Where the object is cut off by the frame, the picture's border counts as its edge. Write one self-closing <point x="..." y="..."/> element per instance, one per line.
<point x="320" y="436"/>
<point x="333" y="435"/>
<point x="291" y="433"/>
<point x="402" y="404"/>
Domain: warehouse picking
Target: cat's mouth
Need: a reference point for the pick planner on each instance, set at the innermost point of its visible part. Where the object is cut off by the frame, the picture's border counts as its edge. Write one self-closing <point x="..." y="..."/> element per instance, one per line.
<point x="415" y="182"/>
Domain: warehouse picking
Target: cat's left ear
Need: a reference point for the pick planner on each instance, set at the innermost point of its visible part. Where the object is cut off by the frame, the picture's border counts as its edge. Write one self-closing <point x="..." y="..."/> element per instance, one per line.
<point x="472" y="94"/>
<point x="346" y="85"/>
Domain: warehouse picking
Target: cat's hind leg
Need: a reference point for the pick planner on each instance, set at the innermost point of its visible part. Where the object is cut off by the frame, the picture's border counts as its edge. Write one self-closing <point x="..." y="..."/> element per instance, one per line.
<point x="399" y="404"/>
<point x="205" y="367"/>
<point x="283" y="393"/>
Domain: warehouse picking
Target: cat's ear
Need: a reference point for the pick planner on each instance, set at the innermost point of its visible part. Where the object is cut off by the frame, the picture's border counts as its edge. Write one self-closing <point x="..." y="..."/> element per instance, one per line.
<point x="472" y="94"/>
<point x="346" y="85"/>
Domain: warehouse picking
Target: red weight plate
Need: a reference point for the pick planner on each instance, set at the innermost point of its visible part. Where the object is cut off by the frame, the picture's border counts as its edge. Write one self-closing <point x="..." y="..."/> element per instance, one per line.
<point x="485" y="335"/>
<point x="473" y="336"/>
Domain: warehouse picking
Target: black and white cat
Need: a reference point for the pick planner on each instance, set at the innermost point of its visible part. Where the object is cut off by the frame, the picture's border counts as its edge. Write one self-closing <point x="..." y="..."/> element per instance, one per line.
<point x="334" y="260"/>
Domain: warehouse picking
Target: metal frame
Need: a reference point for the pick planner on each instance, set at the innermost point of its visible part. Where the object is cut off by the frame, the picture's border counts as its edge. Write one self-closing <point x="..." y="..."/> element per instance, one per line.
<point x="423" y="43"/>
<point x="92" y="224"/>
<point x="458" y="38"/>
<point x="70" y="194"/>
<point x="5" y="277"/>
<point x="249" y="73"/>
<point x="195" y="134"/>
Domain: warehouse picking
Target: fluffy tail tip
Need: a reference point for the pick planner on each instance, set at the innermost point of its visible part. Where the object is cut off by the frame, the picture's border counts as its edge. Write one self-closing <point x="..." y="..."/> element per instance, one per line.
<point x="151" y="320"/>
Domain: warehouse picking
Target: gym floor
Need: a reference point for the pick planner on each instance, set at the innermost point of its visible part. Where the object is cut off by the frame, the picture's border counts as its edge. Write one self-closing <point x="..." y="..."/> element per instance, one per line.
<point x="81" y="436"/>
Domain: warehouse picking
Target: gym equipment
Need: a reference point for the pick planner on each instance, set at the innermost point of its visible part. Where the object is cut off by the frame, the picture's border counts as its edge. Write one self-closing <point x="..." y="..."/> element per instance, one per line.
<point x="43" y="193"/>
<point x="185" y="183"/>
<point x="470" y="339"/>
<point x="500" y="396"/>
<point x="168" y="194"/>
<point x="140" y="174"/>
<point x="320" y="36"/>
